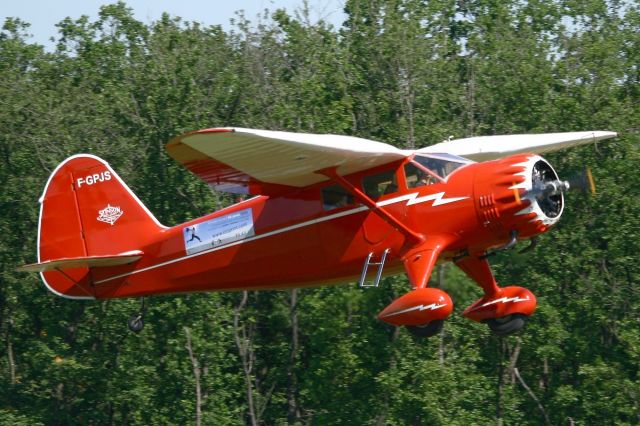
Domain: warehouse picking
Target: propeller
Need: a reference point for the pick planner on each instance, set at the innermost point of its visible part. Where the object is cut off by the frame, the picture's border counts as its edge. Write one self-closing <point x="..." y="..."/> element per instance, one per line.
<point x="584" y="182"/>
<point x="546" y="189"/>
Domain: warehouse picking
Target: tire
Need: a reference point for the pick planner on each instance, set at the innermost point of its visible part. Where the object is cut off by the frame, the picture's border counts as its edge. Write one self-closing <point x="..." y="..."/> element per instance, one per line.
<point x="426" y="330"/>
<point x="135" y="323"/>
<point x="505" y="326"/>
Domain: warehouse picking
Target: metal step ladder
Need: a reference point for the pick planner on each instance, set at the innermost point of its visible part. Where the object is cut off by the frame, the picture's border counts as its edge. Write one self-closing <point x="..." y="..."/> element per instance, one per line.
<point x="367" y="262"/>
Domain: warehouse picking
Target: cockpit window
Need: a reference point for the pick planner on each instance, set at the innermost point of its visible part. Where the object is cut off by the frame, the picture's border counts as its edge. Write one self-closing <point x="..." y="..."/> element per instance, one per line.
<point x="441" y="164"/>
<point x="380" y="184"/>
<point x="417" y="176"/>
<point x="335" y="196"/>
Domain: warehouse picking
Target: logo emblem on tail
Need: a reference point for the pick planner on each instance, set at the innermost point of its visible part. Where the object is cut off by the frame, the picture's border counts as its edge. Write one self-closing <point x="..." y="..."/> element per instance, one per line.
<point x="109" y="214"/>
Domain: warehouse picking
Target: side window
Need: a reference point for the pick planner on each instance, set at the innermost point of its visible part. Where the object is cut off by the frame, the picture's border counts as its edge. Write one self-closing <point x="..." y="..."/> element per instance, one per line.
<point x="417" y="177"/>
<point x="380" y="184"/>
<point x="335" y="196"/>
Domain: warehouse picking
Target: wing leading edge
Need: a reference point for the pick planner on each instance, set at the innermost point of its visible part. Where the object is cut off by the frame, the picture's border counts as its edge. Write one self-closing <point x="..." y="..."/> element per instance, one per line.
<point x="484" y="148"/>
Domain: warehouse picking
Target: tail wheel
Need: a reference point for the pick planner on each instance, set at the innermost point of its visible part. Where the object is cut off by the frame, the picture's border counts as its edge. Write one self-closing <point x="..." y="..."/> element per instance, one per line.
<point x="505" y="326"/>
<point x="426" y="330"/>
<point x="136" y="323"/>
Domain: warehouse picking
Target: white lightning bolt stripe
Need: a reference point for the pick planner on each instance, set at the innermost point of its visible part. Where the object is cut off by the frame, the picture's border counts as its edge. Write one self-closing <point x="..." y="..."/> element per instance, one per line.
<point x="437" y="198"/>
<point x="431" y="307"/>
<point x="506" y="299"/>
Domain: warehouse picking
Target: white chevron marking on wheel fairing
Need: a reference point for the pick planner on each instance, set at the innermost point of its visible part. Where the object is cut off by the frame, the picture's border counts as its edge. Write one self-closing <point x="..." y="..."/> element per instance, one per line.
<point x="431" y="307"/>
<point x="506" y="299"/>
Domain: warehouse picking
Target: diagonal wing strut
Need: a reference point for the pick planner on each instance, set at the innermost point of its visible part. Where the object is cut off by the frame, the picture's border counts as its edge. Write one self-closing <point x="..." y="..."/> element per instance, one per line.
<point x="331" y="173"/>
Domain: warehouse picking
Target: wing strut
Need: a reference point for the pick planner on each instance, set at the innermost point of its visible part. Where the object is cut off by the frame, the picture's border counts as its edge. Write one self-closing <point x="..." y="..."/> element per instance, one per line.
<point x="331" y="173"/>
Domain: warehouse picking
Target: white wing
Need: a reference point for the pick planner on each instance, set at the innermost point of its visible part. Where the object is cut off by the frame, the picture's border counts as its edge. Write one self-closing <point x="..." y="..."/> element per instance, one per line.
<point x="249" y="161"/>
<point x="483" y="148"/>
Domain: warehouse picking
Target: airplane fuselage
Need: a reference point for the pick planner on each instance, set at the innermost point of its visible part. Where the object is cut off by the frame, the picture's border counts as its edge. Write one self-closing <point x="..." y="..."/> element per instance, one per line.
<point x="292" y="240"/>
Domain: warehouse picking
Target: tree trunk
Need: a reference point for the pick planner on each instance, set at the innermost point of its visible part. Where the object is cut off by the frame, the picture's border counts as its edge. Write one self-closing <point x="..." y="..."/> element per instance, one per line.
<point x="441" y="285"/>
<point x="10" y="356"/>
<point x="500" y="387"/>
<point x="293" y="411"/>
<point x="196" y="375"/>
<point x="381" y="419"/>
<point x="243" y="345"/>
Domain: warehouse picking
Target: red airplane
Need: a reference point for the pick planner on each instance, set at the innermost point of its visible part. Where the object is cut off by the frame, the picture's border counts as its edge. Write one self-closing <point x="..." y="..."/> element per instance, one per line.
<point x="326" y="209"/>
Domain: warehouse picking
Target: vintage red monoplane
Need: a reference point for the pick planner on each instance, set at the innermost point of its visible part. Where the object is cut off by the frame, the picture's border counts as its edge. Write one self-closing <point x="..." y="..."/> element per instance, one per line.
<point x="326" y="209"/>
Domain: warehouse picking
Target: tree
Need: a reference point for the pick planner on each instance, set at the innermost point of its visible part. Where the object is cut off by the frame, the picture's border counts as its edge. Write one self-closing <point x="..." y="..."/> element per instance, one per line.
<point x="405" y="72"/>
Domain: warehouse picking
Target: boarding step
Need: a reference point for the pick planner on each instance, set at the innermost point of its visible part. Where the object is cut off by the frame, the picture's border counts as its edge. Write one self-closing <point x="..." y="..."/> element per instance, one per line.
<point x="367" y="262"/>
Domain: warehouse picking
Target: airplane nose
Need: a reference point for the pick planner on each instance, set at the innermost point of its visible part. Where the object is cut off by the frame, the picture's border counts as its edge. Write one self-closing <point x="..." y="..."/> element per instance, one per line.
<point x="543" y="189"/>
<point x="519" y="193"/>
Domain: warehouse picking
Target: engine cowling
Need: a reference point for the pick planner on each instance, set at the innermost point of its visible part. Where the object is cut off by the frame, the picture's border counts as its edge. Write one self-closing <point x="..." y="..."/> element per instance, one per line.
<point x="519" y="193"/>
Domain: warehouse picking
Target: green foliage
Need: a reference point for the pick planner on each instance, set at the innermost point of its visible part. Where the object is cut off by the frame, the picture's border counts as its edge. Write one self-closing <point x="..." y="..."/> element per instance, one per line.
<point x="405" y="72"/>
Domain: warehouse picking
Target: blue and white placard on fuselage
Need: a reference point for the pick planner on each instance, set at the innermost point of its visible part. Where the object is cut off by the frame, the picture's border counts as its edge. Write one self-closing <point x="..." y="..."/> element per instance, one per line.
<point x="219" y="231"/>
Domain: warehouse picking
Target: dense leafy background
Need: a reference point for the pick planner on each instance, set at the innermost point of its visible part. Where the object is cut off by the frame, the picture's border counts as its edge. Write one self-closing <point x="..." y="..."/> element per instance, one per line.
<point x="406" y="72"/>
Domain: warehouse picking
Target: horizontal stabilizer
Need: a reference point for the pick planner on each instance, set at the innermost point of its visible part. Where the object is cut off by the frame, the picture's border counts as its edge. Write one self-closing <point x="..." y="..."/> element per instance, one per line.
<point x="83" y="262"/>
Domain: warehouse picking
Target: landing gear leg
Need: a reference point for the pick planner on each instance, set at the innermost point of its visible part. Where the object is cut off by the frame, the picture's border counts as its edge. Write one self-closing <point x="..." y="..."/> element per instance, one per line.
<point x="423" y="309"/>
<point x="504" y="309"/>
<point x="136" y="322"/>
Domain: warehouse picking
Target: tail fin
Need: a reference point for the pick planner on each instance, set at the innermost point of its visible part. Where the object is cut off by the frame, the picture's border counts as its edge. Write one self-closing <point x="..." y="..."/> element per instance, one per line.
<point x="87" y="212"/>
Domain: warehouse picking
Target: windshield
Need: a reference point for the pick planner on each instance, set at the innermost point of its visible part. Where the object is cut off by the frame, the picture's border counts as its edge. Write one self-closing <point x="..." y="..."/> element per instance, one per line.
<point x="441" y="164"/>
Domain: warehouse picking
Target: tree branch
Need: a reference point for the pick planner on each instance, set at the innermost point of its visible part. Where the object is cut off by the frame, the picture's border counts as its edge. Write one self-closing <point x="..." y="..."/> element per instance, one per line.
<point x="532" y="395"/>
